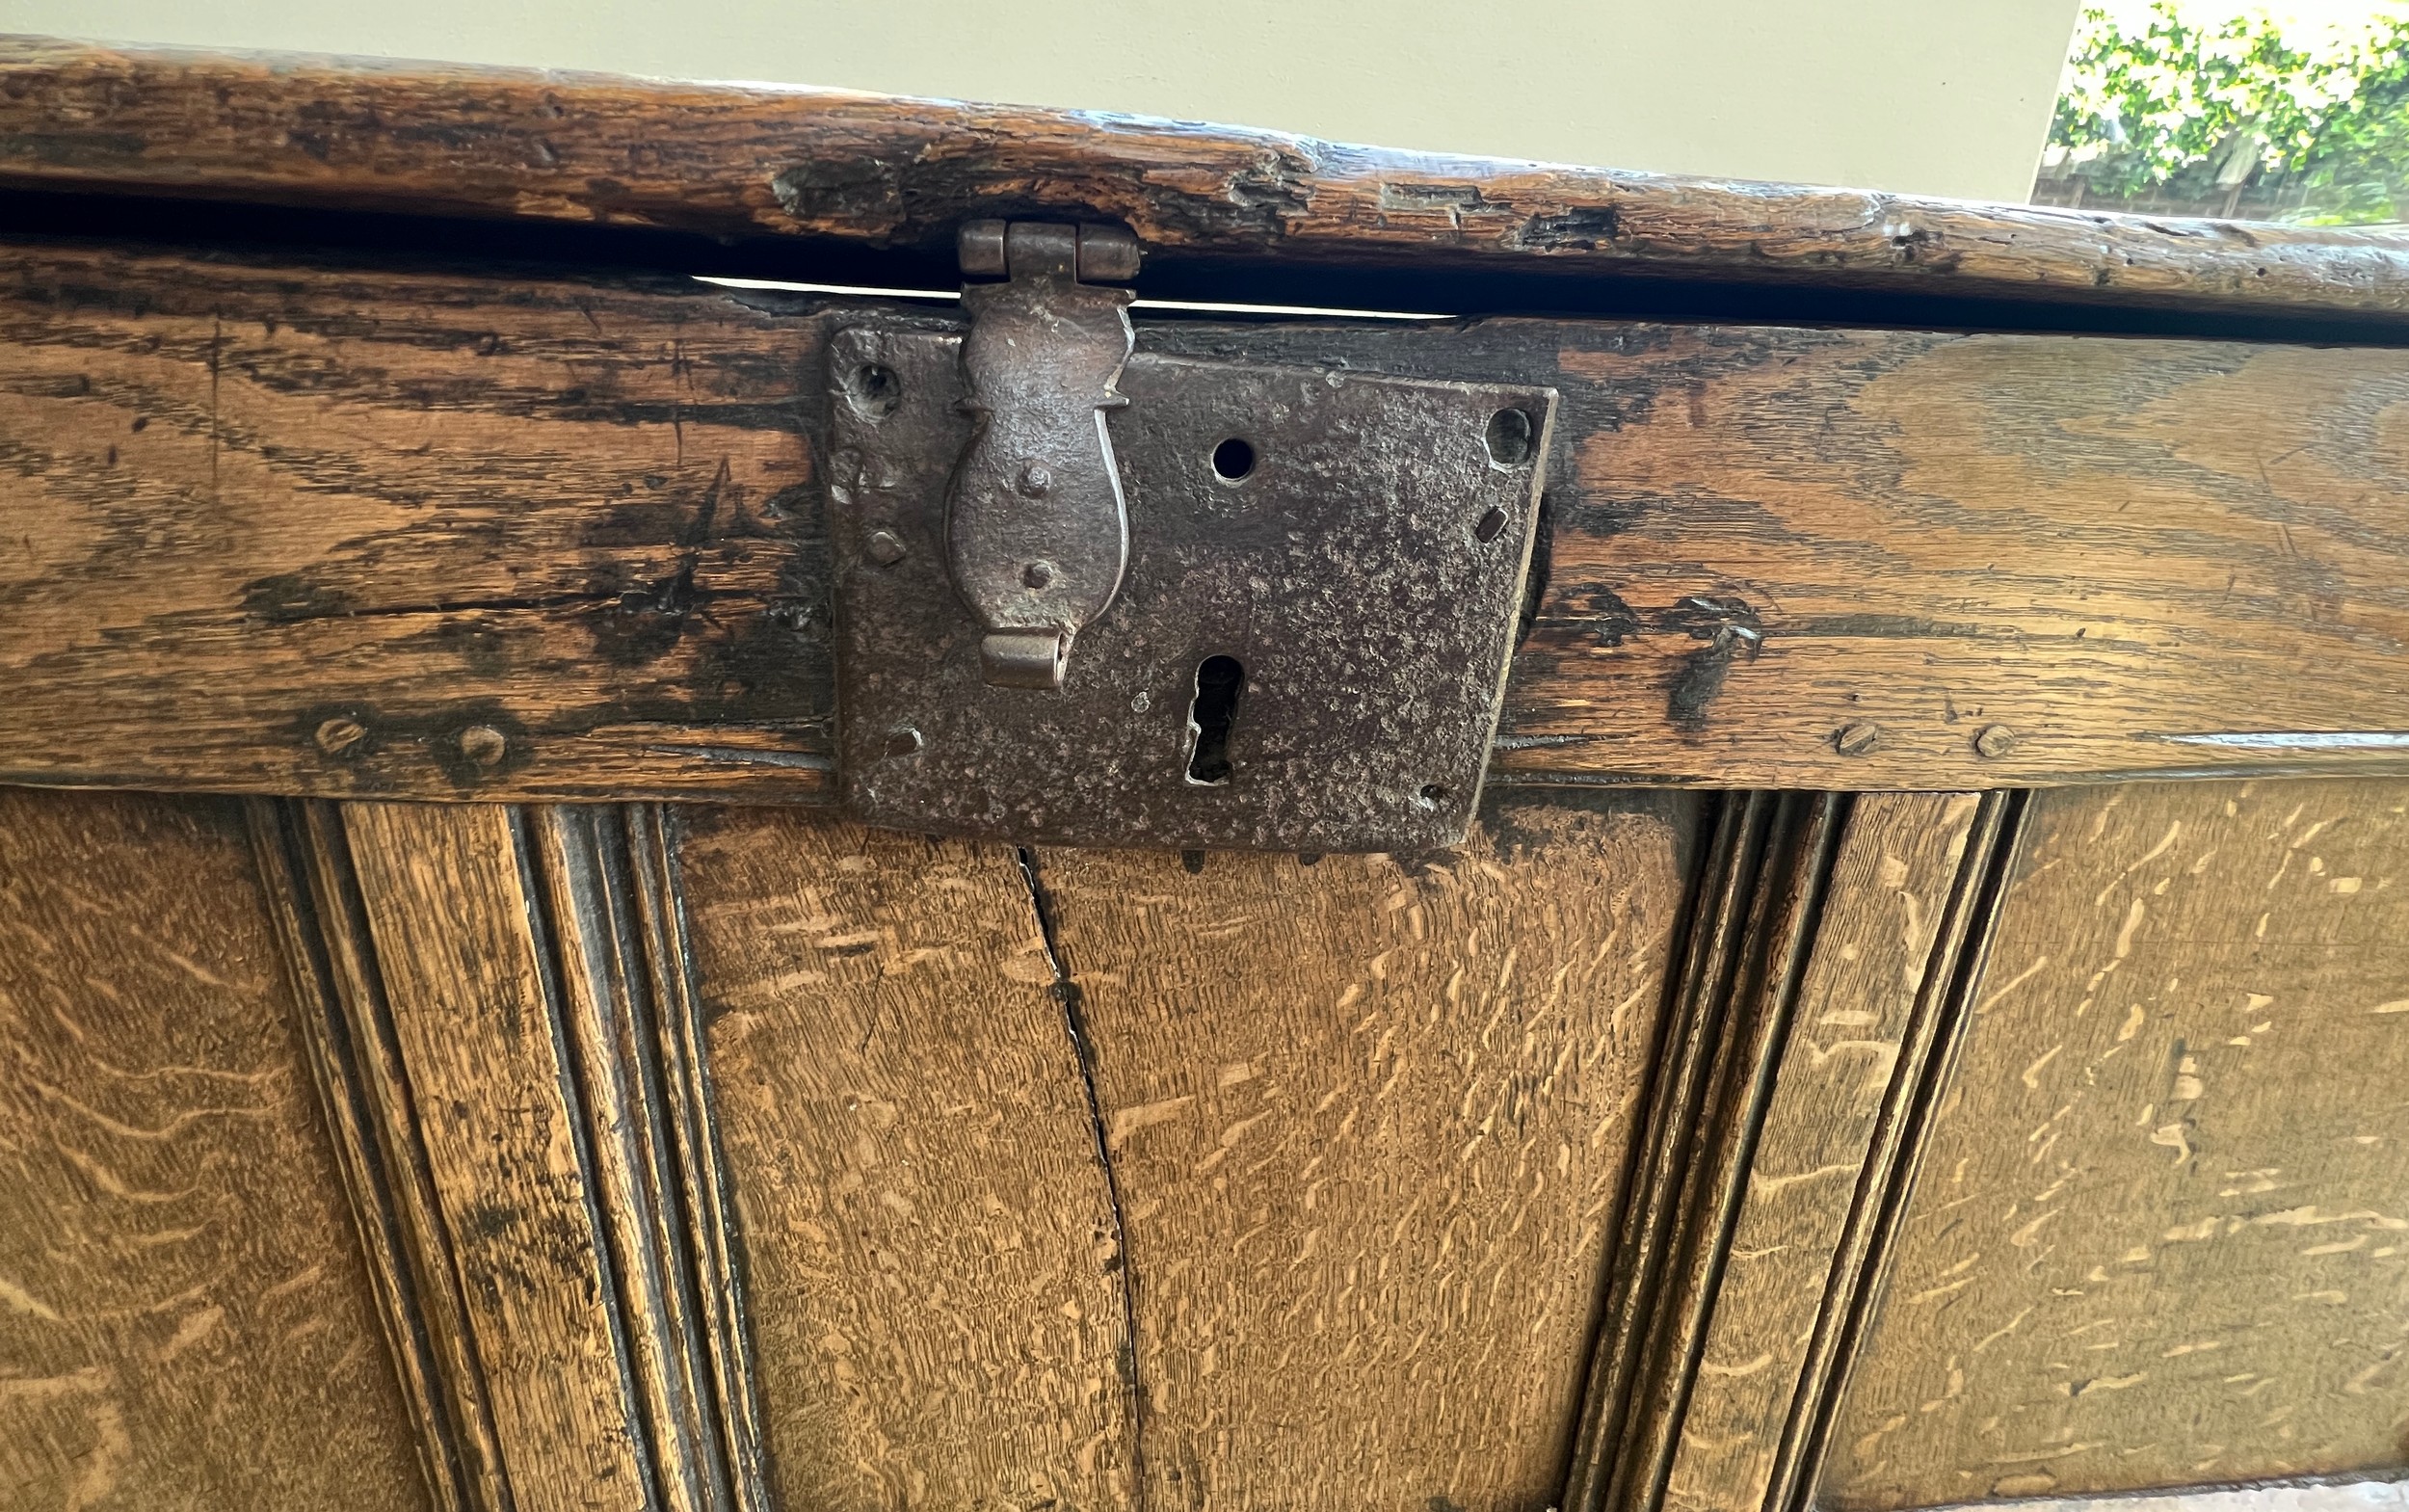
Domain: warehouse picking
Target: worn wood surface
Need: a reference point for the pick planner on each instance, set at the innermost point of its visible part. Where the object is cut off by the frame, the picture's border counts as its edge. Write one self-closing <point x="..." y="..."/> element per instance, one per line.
<point x="624" y="1014"/>
<point x="1865" y="1019"/>
<point x="929" y="1231"/>
<point x="1990" y="560"/>
<point x="304" y="864"/>
<point x="473" y="1016"/>
<point x="731" y="160"/>
<point x="185" y="1316"/>
<point x="514" y="993"/>
<point x="2159" y="1238"/>
<point x="1751" y="919"/>
<point x="350" y="531"/>
<point x="2354" y="1496"/>
<point x="1369" y="1123"/>
<point x="344" y="533"/>
<point x="1829" y="945"/>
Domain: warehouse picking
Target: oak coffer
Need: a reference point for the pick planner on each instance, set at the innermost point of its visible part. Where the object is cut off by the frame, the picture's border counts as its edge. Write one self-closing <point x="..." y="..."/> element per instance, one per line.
<point x="703" y="806"/>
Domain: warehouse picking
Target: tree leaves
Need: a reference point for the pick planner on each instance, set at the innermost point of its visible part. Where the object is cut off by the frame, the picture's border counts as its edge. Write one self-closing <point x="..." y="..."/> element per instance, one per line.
<point x="2201" y="113"/>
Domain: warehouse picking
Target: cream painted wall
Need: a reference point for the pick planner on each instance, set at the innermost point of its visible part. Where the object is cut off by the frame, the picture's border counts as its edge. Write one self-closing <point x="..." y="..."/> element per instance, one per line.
<point x="1927" y="96"/>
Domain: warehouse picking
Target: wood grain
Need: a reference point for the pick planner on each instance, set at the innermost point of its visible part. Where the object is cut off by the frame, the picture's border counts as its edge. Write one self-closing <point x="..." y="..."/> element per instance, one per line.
<point x="304" y="863"/>
<point x="624" y="1014"/>
<point x="518" y="1092"/>
<point x="2360" y="1496"/>
<point x="2158" y="1237"/>
<point x="185" y="1316"/>
<point x="2120" y="555"/>
<point x="290" y="529"/>
<point x="472" y="1010"/>
<point x="1751" y="923"/>
<point x="929" y="1231"/>
<point x="1866" y="1019"/>
<point x="1369" y="1123"/>
<point x="731" y="160"/>
<point x="305" y="530"/>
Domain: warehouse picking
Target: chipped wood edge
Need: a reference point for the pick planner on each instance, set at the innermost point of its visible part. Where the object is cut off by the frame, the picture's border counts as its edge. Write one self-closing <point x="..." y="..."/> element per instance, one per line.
<point x="888" y="173"/>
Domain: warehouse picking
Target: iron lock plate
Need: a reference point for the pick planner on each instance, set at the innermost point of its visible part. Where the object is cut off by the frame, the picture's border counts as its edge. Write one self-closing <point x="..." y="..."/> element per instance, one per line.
<point x="1359" y="582"/>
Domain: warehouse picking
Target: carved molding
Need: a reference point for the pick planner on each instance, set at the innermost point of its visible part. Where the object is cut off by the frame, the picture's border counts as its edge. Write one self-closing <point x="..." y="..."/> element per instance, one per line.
<point x="1832" y="942"/>
<point x="511" y="1067"/>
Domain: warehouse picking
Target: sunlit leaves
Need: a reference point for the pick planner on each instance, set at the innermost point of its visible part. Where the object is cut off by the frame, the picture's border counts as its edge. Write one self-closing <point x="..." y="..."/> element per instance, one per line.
<point x="2197" y="111"/>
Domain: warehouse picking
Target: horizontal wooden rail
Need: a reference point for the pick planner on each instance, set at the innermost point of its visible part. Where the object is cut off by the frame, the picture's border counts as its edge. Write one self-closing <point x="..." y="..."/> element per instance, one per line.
<point x="747" y="160"/>
<point x="357" y="529"/>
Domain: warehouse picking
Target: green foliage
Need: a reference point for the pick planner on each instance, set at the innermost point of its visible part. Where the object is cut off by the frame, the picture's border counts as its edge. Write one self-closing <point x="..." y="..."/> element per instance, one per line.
<point x="2195" y="113"/>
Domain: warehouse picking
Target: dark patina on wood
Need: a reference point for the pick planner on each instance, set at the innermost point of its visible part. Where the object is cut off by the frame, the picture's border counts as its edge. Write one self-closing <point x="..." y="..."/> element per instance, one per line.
<point x="360" y="529"/>
<point x="902" y="175"/>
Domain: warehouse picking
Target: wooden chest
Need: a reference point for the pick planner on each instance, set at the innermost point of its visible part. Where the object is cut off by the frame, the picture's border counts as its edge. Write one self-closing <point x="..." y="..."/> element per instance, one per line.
<point x="1919" y="1016"/>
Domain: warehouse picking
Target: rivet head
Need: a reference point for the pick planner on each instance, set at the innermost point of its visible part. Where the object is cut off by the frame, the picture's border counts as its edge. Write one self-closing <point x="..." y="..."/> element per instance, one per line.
<point x="1856" y="739"/>
<point x="1993" y="741"/>
<point x="1035" y="481"/>
<point x="904" y="742"/>
<point x="884" y="547"/>
<point x="483" y="744"/>
<point x="1037" y="574"/>
<point x="338" y="735"/>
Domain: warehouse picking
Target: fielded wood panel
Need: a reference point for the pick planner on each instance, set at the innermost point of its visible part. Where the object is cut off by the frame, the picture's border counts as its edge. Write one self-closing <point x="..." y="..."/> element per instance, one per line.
<point x="1367" y="1123"/>
<point x="928" y="1228"/>
<point x="350" y="531"/>
<point x="732" y="160"/>
<point x="185" y="1316"/>
<point x="2161" y="1236"/>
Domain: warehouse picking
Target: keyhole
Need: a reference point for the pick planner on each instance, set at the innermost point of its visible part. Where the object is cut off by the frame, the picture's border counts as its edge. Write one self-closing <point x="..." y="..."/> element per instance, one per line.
<point x="1219" y="681"/>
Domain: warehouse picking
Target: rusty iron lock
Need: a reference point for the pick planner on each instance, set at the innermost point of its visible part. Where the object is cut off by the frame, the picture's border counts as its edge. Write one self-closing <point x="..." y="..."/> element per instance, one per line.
<point x="1093" y="594"/>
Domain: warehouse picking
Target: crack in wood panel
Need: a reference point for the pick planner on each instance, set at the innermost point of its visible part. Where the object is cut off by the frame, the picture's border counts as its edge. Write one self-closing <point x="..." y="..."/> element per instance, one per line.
<point x="937" y="1274"/>
<point x="1072" y="997"/>
<point x="505" y="1031"/>
<point x="1369" y="1117"/>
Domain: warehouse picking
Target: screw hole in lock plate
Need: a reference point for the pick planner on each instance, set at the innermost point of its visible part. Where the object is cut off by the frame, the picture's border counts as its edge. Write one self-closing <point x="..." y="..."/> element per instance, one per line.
<point x="1234" y="460"/>
<point x="1510" y="438"/>
<point x="1219" y="681"/>
<point x="873" y="390"/>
